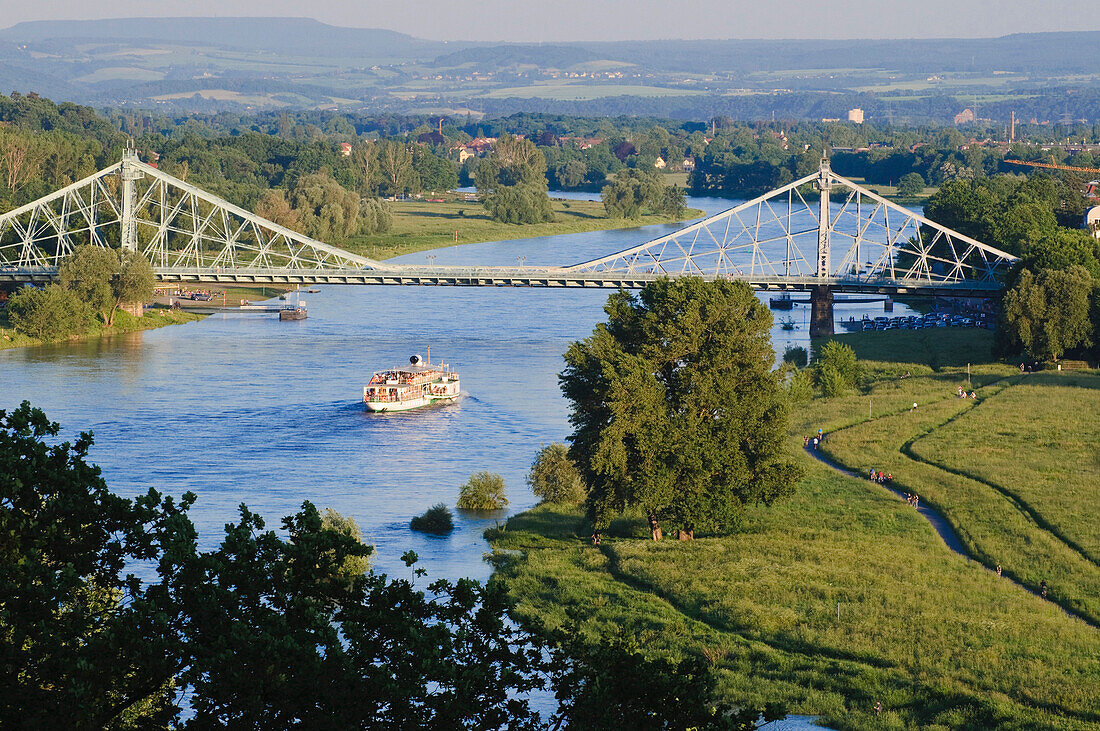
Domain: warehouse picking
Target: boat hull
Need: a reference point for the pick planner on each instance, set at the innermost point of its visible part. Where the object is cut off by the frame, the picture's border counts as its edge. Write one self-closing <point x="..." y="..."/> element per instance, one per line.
<point x="408" y="405"/>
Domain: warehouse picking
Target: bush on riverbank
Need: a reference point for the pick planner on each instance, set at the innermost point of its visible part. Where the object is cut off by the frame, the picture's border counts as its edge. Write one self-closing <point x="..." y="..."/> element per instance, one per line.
<point x="52" y="313"/>
<point x="483" y="491"/>
<point x="554" y="478"/>
<point x="437" y="521"/>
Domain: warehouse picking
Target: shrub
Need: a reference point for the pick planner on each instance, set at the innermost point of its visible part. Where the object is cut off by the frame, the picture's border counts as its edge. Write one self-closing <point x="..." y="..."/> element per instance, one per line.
<point x="554" y="478"/>
<point x="831" y="382"/>
<point x="483" y="491"/>
<point x="437" y="520"/>
<point x="796" y="356"/>
<point x="353" y="565"/>
<point x="52" y="313"/>
<point x="800" y="386"/>
<point x="836" y="368"/>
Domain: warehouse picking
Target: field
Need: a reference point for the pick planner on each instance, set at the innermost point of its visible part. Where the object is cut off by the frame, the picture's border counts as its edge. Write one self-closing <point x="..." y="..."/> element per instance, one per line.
<point x="843" y="596"/>
<point x="422" y="225"/>
<point x="584" y="92"/>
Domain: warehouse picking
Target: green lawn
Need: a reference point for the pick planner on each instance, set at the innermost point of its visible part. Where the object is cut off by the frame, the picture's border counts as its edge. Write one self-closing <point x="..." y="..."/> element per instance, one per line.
<point x="939" y="640"/>
<point x="422" y="225"/>
<point x="1038" y="442"/>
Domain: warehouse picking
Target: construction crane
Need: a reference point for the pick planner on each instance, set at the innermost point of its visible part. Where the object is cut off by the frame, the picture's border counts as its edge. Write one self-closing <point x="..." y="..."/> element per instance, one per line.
<point x="1053" y="166"/>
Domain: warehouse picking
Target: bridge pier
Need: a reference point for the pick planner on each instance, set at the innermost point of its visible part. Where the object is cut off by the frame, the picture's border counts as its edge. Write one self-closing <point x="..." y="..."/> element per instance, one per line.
<point x="821" y="311"/>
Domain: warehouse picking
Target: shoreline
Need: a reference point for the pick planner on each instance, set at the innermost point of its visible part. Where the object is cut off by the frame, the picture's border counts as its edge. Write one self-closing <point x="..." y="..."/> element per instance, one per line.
<point x="153" y="319"/>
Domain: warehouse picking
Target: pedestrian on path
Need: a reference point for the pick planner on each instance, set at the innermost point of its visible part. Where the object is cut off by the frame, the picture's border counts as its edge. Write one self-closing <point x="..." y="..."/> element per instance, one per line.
<point x="816" y="440"/>
<point x="998" y="570"/>
<point x="1043" y="588"/>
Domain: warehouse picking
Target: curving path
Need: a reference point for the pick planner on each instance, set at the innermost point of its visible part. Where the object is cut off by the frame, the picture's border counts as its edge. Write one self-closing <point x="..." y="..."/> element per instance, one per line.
<point x="942" y="528"/>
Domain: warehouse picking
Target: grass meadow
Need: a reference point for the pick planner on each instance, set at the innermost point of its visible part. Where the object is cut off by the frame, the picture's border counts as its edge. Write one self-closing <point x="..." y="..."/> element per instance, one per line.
<point x="421" y="225"/>
<point x="843" y="596"/>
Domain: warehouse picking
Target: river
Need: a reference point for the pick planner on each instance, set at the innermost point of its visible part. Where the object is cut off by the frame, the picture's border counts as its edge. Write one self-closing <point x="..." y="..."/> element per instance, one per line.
<point x="246" y="409"/>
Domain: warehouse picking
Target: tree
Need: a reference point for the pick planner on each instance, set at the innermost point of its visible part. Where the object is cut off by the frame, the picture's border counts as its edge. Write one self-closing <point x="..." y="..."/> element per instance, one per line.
<point x="675" y="407"/>
<point x="910" y="185"/>
<point x="83" y="642"/>
<point x="483" y="491"/>
<point x="636" y="190"/>
<point x="52" y="313"/>
<point x="614" y="684"/>
<point x="395" y="168"/>
<point x="554" y="478"/>
<point x="836" y="368"/>
<point x="1048" y="313"/>
<point x="519" y="204"/>
<point x="325" y="209"/>
<point x="134" y="281"/>
<point x="512" y="180"/>
<point x="88" y="272"/>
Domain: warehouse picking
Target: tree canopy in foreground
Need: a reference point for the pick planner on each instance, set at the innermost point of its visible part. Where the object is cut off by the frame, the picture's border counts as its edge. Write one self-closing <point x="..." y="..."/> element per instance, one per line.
<point x="284" y="629"/>
<point x="676" y="408"/>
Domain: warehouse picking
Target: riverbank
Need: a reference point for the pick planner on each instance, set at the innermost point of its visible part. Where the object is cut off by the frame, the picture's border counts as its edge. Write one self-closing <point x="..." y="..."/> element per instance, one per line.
<point x="124" y="323"/>
<point x="421" y="225"/>
<point x="843" y="596"/>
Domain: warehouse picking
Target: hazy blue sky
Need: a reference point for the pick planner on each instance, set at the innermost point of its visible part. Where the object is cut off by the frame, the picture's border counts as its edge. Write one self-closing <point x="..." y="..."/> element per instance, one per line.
<point x="560" y="20"/>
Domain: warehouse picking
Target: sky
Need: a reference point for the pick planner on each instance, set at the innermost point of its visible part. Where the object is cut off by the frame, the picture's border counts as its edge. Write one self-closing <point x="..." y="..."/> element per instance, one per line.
<point x="593" y="20"/>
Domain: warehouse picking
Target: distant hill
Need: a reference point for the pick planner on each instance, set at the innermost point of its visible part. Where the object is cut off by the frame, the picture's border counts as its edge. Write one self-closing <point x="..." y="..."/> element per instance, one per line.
<point x="1043" y="53"/>
<point x="294" y="36"/>
<point x="210" y="64"/>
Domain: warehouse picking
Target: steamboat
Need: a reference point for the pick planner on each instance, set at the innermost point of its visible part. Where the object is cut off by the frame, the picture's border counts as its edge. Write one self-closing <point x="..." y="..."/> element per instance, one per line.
<point x="410" y="387"/>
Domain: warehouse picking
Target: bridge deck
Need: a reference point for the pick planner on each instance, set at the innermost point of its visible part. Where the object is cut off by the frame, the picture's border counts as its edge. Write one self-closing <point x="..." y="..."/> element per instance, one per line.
<point x="553" y="278"/>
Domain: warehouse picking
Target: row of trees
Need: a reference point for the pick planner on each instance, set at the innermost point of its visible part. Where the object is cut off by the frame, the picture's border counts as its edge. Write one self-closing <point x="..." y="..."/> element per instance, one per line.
<point x="1051" y="303"/>
<point x="93" y="281"/>
<point x="275" y="629"/>
<point x="635" y="191"/>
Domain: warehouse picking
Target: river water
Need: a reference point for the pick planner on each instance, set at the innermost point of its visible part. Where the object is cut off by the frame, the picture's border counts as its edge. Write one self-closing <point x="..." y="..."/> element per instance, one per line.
<point x="246" y="409"/>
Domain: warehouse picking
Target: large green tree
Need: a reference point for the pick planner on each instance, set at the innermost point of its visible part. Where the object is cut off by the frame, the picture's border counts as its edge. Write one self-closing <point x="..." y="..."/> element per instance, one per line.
<point x="1048" y="313"/>
<point x="512" y="180"/>
<point x="134" y="281"/>
<point x="676" y="408"/>
<point x="84" y="643"/>
<point x="88" y="272"/>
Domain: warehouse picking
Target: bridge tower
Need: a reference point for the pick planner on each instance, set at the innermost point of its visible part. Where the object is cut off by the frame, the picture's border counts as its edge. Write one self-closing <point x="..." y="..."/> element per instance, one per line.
<point x="821" y="295"/>
<point x="129" y="174"/>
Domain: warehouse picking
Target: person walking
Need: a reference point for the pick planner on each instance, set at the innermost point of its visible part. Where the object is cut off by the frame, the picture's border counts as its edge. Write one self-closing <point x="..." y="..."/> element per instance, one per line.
<point x="1043" y="588"/>
<point x="815" y="443"/>
<point x="998" y="570"/>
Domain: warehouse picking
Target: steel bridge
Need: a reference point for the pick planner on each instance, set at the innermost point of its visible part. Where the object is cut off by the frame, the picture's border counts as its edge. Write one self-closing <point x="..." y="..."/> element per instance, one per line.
<point x="821" y="233"/>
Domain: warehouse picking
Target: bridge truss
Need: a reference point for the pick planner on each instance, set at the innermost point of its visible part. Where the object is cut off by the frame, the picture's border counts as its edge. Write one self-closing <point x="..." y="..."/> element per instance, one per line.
<point x="822" y="231"/>
<point x="134" y="206"/>
<point x="840" y="234"/>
